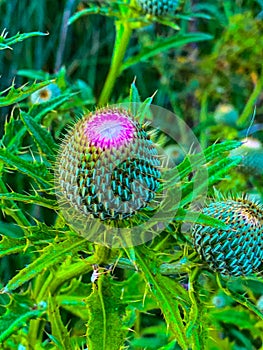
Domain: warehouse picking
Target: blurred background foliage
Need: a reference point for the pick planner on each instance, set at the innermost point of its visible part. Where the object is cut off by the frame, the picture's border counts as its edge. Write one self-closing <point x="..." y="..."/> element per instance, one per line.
<point x="214" y="85"/>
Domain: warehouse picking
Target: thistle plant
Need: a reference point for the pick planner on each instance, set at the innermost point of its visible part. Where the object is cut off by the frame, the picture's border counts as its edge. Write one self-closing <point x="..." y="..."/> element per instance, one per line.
<point x="237" y="250"/>
<point x="59" y="287"/>
<point x="108" y="167"/>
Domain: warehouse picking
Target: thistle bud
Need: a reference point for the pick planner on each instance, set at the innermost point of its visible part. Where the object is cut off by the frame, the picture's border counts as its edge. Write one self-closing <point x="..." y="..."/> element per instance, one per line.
<point x="158" y="7"/>
<point x="237" y="250"/>
<point x="108" y="167"/>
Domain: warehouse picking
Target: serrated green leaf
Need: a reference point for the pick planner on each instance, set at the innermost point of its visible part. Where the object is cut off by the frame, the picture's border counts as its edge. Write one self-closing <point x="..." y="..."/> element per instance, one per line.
<point x="39" y="237"/>
<point x="18" y="313"/>
<point x="104" y="11"/>
<point x="12" y="125"/>
<point x="199" y="183"/>
<point x="35" y="170"/>
<point x="50" y="256"/>
<point x="144" y="111"/>
<point x="160" y="45"/>
<point x="199" y="218"/>
<point x="10" y="245"/>
<point x="193" y="162"/>
<point x="74" y="305"/>
<point x="5" y="43"/>
<point x="196" y="324"/>
<point x="38" y="112"/>
<point x="40" y="135"/>
<point x="16" y="95"/>
<point x="38" y="200"/>
<point x="169" y="301"/>
<point x="106" y="330"/>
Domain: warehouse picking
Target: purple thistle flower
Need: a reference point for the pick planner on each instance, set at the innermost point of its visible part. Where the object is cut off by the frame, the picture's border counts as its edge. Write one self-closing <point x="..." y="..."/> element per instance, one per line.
<point x="108" y="167"/>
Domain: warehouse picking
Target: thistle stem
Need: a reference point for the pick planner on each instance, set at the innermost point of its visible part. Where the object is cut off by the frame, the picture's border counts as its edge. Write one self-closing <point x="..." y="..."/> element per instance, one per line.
<point x="123" y="34"/>
<point x="102" y="254"/>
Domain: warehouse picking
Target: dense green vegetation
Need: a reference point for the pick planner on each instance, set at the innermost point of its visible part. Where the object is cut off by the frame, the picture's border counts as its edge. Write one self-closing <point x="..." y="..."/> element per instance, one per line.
<point x="201" y="70"/>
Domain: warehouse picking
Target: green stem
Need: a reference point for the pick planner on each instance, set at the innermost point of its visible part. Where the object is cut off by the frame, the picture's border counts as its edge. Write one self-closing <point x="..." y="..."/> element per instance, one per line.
<point x="72" y="271"/>
<point x="203" y="119"/>
<point x="123" y="34"/>
<point x="248" y="110"/>
<point x="49" y="284"/>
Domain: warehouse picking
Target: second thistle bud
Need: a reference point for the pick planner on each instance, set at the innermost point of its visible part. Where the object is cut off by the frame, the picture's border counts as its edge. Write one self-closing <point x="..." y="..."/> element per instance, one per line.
<point x="158" y="7"/>
<point x="237" y="250"/>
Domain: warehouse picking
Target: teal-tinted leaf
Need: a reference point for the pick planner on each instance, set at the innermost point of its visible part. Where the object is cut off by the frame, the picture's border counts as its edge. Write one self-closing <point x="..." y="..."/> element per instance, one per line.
<point x="35" y="170"/>
<point x="34" y="74"/>
<point x="134" y="93"/>
<point x="18" y="313"/>
<point x="170" y="346"/>
<point x="89" y="11"/>
<point x="50" y="256"/>
<point x="160" y="45"/>
<point x="84" y="94"/>
<point x="41" y="136"/>
<point x="6" y="43"/>
<point x="16" y="95"/>
<point x="106" y="330"/>
<point x="104" y="11"/>
<point x="11" y="230"/>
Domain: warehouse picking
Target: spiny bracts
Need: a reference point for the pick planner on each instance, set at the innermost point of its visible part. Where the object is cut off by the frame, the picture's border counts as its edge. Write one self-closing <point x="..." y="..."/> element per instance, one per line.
<point x="108" y="166"/>
<point x="252" y="156"/>
<point x="158" y="7"/>
<point x="238" y="250"/>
